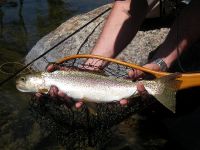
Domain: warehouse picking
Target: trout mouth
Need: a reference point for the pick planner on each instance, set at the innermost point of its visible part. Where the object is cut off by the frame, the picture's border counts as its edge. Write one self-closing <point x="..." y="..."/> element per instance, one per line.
<point x="21" y="87"/>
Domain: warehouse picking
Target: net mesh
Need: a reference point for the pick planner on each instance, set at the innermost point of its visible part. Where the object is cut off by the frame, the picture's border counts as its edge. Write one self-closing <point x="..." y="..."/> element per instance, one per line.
<point x="78" y="128"/>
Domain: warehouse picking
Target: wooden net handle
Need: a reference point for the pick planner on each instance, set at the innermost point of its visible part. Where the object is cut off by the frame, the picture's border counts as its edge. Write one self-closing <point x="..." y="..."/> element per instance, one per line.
<point x="187" y="79"/>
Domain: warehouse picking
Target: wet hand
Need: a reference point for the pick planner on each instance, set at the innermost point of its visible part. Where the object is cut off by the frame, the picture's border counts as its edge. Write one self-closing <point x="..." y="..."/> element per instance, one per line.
<point x="138" y="74"/>
<point x="54" y="92"/>
<point x="141" y="90"/>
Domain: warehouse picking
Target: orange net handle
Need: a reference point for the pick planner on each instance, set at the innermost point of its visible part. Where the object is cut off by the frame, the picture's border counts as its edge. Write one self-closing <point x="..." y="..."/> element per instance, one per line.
<point x="187" y="79"/>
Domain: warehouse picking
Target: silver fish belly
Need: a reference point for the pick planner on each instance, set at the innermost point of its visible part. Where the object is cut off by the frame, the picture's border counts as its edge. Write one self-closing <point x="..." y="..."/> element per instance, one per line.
<point x="91" y="87"/>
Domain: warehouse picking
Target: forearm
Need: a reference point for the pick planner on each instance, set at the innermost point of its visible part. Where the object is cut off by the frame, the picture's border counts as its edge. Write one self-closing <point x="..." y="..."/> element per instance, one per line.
<point x="186" y="27"/>
<point x="120" y="27"/>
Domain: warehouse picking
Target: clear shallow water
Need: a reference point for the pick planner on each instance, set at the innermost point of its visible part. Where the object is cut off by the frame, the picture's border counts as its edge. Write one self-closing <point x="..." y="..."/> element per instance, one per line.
<point x="22" y="24"/>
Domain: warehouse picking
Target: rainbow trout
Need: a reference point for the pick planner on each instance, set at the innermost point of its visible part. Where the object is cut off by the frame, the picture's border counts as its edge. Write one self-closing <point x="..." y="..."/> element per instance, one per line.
<point x="98" y="88"/>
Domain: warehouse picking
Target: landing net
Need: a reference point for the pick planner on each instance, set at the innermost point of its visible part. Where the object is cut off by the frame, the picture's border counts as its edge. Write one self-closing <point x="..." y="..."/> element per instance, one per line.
<point x="77" y="128"/>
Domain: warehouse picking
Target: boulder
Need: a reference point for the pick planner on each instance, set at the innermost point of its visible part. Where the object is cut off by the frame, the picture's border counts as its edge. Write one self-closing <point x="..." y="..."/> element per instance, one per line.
<point x="84" y="40"/>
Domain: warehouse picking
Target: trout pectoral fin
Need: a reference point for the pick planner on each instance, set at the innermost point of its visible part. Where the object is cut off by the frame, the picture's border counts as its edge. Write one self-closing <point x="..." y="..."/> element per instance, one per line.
<point x="43" y="91"/>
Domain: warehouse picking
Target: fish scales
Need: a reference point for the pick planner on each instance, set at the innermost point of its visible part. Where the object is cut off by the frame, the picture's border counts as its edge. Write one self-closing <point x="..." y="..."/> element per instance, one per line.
<point x="89" y="86"/>
<point x="99" y="88"/>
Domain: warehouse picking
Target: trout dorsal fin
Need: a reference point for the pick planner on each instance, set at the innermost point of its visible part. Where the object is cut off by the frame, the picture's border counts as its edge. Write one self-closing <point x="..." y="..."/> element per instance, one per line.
<point x="168" y="87"/>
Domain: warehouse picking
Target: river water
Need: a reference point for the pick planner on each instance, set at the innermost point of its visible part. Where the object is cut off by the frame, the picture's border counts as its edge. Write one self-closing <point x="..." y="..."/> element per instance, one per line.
<point x="22" y="24"/>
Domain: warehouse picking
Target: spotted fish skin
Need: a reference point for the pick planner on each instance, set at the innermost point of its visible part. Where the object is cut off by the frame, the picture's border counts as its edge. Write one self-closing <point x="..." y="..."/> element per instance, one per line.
<point x="94" y="87"/>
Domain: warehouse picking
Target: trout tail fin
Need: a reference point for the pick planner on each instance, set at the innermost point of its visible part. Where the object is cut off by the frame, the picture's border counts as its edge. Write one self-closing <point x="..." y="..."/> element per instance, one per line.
<point x="167" y="88"/>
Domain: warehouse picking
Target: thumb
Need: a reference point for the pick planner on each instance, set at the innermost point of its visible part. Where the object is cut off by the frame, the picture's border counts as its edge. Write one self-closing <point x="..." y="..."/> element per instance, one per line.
<point x="135" y="74"/>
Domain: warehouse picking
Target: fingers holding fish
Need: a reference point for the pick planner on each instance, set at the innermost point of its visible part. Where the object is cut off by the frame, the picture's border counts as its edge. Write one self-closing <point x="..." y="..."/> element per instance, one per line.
<point x="56" y="95"/>
<point x="123" y="102"/>
<point x="54" y="67"/>
<point x="79" y="104"/>
<point x="142" y="91"/>
<point x="136" y="74"/>
<point x="94" y="64"/>
<point x="39" y="96"/>
<point x="54" y="92"/>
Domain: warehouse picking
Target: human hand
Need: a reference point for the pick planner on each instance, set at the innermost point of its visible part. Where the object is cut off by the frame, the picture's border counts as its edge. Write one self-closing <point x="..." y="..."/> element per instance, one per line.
<point x="138" y="74"/>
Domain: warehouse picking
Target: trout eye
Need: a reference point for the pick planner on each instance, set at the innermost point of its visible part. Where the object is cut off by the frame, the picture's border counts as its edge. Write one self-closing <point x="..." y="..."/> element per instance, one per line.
<point x="23" y="79"/>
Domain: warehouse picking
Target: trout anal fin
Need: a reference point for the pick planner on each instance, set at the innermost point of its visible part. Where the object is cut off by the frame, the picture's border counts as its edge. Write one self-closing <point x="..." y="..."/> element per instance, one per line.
<point x="91" y="107"/>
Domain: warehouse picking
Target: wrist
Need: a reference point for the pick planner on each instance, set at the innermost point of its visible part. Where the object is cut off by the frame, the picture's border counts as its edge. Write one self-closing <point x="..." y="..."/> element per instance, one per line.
<point x="104" y="51"/>
<point x="163" y="66"/>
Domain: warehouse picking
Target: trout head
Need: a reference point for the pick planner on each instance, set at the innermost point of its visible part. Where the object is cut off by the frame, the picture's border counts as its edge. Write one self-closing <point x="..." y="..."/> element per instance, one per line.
<point x="30" y="83"/>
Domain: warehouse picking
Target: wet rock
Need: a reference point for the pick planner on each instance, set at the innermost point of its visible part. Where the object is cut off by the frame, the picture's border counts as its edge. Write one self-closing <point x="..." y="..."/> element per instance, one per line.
<point x="83" y="41"/>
